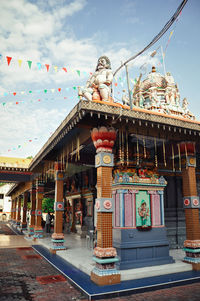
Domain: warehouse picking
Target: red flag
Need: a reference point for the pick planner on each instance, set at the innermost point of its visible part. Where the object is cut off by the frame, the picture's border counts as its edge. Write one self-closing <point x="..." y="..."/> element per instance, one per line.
<point x="17" y="102"/>
<point x="59" y="89"/>
<point x="14" y="93"/>
<point x="9" y="59"/>
<point x="65" y="69"/>
<point x="115" y="84"/>
<point x="47" y="66"/>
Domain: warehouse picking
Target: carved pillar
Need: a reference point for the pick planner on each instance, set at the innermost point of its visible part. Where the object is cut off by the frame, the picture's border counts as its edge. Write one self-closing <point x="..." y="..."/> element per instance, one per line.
<point x="105" y="272"/>
<point x="33" y="206"/>
<point x="191" y="205"/>
<point x="19" y="201"/>
<point x="58" y="235"/>
<point x="24" y="223"/>
<point x="38" y="230"/>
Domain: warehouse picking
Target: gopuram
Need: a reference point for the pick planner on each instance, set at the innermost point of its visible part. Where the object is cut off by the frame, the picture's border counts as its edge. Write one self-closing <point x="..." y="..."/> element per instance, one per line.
<point x="131" y="173"/>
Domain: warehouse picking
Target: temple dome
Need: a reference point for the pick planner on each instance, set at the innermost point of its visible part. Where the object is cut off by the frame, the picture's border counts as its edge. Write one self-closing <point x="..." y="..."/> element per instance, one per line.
<point x="154" y="79"/>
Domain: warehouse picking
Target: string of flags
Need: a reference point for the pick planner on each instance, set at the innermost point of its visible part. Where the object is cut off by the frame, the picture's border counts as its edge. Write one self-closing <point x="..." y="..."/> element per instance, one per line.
<point x="41" y="66"/>
<point x="20" y="146"/>
<point x="29" y="92"/>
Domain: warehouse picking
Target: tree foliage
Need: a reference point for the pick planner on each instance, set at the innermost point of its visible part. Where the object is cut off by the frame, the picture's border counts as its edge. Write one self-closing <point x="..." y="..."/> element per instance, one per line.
<point x="47" y="205"/>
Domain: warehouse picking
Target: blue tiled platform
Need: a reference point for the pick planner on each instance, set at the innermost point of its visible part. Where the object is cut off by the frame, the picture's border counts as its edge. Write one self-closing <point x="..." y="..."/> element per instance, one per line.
<point x="93" y="292"/>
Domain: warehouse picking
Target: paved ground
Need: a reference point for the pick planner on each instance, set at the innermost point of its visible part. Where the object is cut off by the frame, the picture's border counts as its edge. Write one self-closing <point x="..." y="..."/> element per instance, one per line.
<point x="24" y="275"/>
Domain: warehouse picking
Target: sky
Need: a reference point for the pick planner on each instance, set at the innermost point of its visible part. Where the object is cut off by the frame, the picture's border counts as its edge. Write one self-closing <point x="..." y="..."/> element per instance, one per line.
<point x="48" y="48"/>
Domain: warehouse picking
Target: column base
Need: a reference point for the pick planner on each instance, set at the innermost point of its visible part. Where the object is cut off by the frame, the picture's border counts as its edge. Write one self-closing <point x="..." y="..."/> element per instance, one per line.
<point x="31" y="231"/>
<point x="105" y="272"/>
<point x="24" y="226"/>
<point x="57" y="242"/>
<point x="192" y="250"/>
<point x="38" y="232"/>
<point x="105" y="279"/>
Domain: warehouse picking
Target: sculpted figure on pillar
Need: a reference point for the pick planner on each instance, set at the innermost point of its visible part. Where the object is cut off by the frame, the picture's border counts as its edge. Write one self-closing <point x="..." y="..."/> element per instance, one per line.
<point x="98" y="85"/>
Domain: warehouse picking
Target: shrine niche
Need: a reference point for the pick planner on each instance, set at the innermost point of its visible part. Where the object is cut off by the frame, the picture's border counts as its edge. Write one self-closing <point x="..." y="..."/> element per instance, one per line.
<point x="139" y="233"/>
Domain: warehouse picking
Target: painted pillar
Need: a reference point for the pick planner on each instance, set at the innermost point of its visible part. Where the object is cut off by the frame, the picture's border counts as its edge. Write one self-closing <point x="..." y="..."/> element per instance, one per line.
<point x="33" y="206"/>
<point x="191" y="205"/>
<point x="38" y="230"/>
<point x="12" y="209"/>
<point x="15" y="210"/>
<point x="104" y="272"/>
<point x="24" y="222"/>
<point x="58" y="235"/>
<point x="19" y="201"/>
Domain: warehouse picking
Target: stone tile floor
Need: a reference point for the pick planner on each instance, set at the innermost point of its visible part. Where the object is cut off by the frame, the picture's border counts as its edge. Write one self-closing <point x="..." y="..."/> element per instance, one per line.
<point x="21" y="273"/>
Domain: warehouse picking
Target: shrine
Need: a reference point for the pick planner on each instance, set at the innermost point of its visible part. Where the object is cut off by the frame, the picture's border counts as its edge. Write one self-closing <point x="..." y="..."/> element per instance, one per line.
<point x="130" y="175"/>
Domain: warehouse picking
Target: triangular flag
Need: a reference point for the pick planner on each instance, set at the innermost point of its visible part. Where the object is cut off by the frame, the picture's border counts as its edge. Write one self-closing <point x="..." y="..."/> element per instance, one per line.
<point x="52" y="90"/>
<point x="56" y="68"/>
<point x="30" y="140"/>
<point x="39" y="66"/>
<point x="30" y="91"/>
<point x="74" y="88"/>
<point x="45" y="91"/>
<point x="3" y="103"/>
<point x="9" y="59"/>
<point x="47" y="66"/>
<point x="59" y="89"/>
<point x="14" y="93"/>
<point x="65" y="69"/>
<point x="78" y="71"/>
<point x="29" y="64"/>
<point x="22" y="92"/>
<point x="20" y="63"/>
<point x="115" y="84"/>
<point x="19" y="146"/>
<point x="0" y="56"/>
<point x="17" y="102"/>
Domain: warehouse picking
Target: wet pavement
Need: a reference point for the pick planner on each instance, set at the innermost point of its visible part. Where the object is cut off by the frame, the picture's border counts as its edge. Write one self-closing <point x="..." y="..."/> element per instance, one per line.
<point x="25" y="275"/>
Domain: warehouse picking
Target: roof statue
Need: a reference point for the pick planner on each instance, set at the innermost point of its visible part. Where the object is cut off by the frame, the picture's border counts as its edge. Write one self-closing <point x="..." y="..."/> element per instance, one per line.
<point x="98" y="86"/>
<point x="160" y="93"/>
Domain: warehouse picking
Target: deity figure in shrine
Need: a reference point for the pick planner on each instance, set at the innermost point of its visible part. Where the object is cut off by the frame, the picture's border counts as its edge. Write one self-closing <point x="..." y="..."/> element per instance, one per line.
<point x="98" y="85"/>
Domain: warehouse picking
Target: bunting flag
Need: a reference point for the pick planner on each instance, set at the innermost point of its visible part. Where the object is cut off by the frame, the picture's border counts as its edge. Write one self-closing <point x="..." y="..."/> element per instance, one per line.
<point x="78" y="72"/>
<point x="29" y="64"/>
<point x="20" y="63"/>
<point x="9" y="59"/>
<point x="65" y="69"/>
<point x="56" y="68"/>
<point x="39" y="66"/>
<point x="47" y="66"/>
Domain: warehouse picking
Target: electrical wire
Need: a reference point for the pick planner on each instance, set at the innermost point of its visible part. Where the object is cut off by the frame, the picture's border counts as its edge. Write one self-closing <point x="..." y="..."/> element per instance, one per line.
<point x="158" y="36"/>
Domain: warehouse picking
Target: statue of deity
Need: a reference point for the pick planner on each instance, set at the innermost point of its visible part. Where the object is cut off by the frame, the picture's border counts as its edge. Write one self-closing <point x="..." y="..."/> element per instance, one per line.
<point x="100" y="81"/>
<point x="185" y="105"/>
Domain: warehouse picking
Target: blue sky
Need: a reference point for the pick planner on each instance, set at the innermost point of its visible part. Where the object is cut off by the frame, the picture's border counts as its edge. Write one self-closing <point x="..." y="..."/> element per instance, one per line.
<point x="72" y="34"/>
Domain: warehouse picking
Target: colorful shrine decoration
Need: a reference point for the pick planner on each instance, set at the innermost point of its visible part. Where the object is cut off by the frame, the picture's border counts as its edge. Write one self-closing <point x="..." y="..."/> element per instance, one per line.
<point x="139" y="233"/>
<point x="103" y="139"/>
<point x="160" y="93"/>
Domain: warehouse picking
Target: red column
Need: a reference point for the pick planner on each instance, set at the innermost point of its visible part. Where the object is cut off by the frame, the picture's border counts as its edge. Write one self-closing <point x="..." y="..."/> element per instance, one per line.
<point x="12" y="209"/>
<point x="33" y="206"/>
<point x="19" y="210"/>
<point x="24" y="223"/>
<point x="58" y="235"/>
<point x="38" y="230"/>
<point x="15" y="210"/>
<point x="105" y="272"/>
<point x="191" y="205"/>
